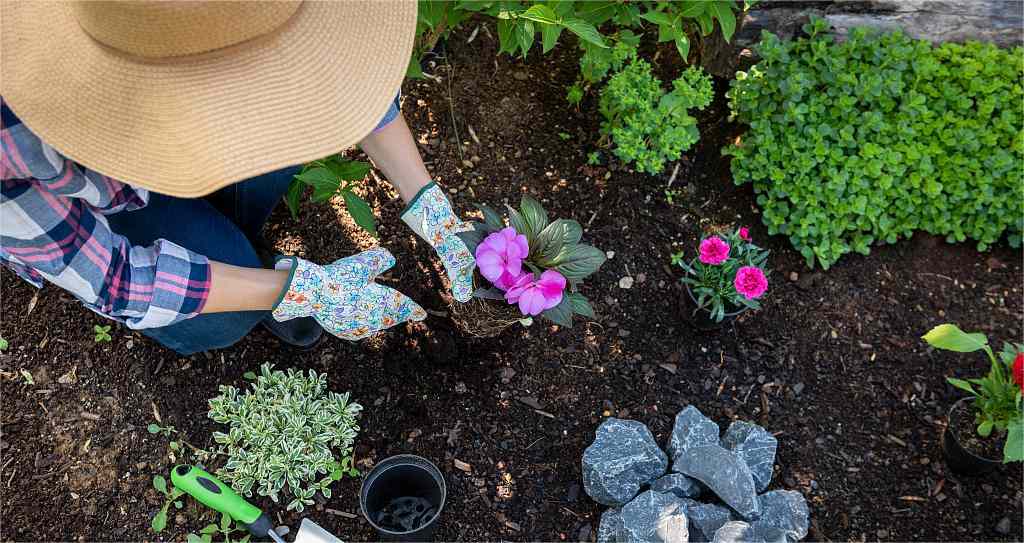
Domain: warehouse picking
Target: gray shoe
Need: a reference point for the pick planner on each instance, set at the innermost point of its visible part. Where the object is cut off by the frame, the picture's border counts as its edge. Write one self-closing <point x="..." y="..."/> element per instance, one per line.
<point x="303" y="333"/>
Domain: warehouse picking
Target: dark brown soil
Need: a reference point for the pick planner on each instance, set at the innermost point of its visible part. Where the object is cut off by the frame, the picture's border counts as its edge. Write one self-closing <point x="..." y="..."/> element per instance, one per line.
<point x="833" y="365"/>
<point x="964" y="426"/>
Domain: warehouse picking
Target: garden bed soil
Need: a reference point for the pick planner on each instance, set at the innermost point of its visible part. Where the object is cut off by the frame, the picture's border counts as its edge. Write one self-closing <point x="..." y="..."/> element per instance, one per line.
<point x="834" y="365"/>
<point x="964" y="426"/>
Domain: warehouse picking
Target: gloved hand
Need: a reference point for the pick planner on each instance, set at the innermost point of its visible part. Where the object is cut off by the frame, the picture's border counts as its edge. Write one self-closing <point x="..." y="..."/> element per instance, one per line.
<point x="343" y="297"/>
<point x="430" y="215"/>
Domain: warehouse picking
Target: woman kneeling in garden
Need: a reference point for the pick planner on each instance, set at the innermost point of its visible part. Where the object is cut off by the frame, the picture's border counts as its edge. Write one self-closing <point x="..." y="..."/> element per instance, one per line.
<point x="143" y="149"/>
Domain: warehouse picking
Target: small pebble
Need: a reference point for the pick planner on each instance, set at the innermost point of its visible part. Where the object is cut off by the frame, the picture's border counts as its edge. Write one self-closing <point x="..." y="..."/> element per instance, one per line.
<point x="1004" y="526"/>
<point x="794" y="276"/>
<point x="626" y="282"/>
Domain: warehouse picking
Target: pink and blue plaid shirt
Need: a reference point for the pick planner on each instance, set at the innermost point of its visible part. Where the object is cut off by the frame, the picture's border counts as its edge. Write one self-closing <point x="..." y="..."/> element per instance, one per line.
<point x="53" y="228"/>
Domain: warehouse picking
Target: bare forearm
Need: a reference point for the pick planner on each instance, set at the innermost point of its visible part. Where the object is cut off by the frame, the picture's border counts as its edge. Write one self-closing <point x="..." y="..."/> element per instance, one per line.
<point x="394" y="152"/>
<point x="243" y="289"/>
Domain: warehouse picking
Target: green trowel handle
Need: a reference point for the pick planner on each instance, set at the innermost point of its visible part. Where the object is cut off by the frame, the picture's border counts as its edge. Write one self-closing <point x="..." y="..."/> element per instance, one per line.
<point x="209" y="491"/>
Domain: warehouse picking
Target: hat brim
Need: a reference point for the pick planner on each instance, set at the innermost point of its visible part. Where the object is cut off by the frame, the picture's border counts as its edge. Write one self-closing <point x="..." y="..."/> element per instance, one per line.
<point x="189" y="126"/>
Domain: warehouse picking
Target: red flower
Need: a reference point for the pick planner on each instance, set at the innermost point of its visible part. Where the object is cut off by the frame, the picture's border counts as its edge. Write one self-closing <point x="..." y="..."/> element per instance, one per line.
<point x="1018" y="371"/>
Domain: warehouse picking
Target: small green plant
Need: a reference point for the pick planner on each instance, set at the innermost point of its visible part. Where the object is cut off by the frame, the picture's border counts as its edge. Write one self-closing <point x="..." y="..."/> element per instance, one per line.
<point x="997" y="396"/>
<point x="102" y="333"/>
<point x="648" y="125"/>
<point x="330" y="177"/>
<point x="3" y="344"/>
<point x="594" y="158"/>
<point x="284" y="435"/>
<point x="564" y="136"/>
<point x="27" y="376"/>
<point x="672" y="194"/>
<point x="867" y="141"/>
<point x="171" y="496"/>
<point x="227" y="528"/>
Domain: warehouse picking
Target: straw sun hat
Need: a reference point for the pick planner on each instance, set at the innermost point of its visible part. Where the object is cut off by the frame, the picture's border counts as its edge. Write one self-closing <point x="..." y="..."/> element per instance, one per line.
<point x="187" y="97"/>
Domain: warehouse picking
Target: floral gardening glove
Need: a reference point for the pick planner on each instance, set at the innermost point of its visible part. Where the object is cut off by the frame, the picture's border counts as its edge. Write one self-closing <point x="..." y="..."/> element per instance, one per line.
<point x="343" y="297"/>
<point x="430" y="215"/>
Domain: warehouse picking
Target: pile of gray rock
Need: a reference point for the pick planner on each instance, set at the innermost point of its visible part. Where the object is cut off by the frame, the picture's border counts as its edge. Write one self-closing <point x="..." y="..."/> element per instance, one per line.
<point x="715" y="491"/>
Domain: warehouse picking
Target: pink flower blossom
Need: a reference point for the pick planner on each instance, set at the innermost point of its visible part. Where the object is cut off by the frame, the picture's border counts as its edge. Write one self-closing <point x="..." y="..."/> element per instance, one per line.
<point x="534" y="297"/>
<point x="500" y="257"/>
<point x="744" y="233"/>
<point x="714" y="250"/>
<point x="751" y="282"/>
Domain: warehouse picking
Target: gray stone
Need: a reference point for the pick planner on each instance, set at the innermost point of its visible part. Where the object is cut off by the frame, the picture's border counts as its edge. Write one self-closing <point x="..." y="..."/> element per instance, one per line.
<point x="735" y="532"/>
<point x="725" y="473"/>
<point x="756" y="447"/>
<point x="608" y="529"/>
<point x="705" y="519"/>
<point x="678" y="484"/>
<point x="654" y="517"/>
<point x="622" y="458"/>
<point x="782" y="511"/>
<point x="691" y="429"/>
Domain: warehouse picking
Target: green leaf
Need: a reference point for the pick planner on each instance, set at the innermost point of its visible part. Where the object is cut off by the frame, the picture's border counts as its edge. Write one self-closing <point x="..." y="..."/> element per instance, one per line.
<point x="225" y="522"/>
<point x="524" y="35"/>
<point x="193" y="538"/>
<point x="472" y="238"/>
<point x="693" y="8"/>
<point x="159" y="521"/>
<point x="153" y="428"/>
<point x="178" y="504"/>
<point x="561" y="314"/>
<point x="707" y="24"/>
<point x="580" y="262"/>
<point x="414" y="70"/>
<point x="160" y="483"/>
<point x="348" y="170"/>
<point x="985" y="428"/>
<point x="657" y="18"/>
<point x="534" y="217"/>
<point x="249" y="375"/>
<point x="961" y="384"/>
<point x="554" y="242"/>
<point x="541" y="14"/>
<point x="1013" y="450"/>
<point x="293" y="197"/>
<point x="584" y="30"/>
<point x="683" y="45"/>
<point x="361" y="212"/>
<point x="549" y="36"/>
<point x="491" y="217"/>
<point x="516" y="221"/>
<point x="319" y="176"/>
<point x="505" y="41"/>
<point x="580" y="305"/>
<point x="726" y="18"/>
<point x="949" y="337"/>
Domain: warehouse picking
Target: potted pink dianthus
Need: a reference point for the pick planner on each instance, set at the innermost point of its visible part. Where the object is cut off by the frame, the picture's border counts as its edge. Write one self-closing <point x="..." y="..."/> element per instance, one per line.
<point x="726" y="278"/>
<point x="530" y="267"/>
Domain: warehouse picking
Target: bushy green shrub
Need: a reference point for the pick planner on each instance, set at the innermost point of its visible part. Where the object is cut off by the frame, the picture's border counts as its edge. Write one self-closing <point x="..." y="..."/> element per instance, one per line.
<point x="648" y="125"/>
<point x="866" y="141"/>
<point x="283" y="435"/>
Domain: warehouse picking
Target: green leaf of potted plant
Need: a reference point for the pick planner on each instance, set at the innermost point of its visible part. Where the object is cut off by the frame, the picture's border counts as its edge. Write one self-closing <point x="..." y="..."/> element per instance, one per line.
<point x="991" y="416"/>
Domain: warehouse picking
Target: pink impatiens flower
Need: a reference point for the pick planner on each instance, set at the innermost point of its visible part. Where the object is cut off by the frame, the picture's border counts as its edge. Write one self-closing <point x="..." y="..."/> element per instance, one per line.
<point x="751" y="282"/>
<point x="534" y="297"/>
<point x="500" y="257"/>
<point x="714" y="250"/>
<point x="744" y="233"/>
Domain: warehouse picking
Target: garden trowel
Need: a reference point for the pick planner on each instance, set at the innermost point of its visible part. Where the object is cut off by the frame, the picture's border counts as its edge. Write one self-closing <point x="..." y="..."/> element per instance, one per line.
<point x="209" y="491"/>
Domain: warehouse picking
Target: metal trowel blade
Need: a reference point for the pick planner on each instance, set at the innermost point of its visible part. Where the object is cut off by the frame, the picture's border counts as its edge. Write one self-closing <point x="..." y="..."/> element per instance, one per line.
<point x="311" y="532"/>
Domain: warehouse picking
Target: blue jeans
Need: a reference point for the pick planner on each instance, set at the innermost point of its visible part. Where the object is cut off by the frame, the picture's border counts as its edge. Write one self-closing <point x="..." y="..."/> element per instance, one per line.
<point x="220" y="227"/>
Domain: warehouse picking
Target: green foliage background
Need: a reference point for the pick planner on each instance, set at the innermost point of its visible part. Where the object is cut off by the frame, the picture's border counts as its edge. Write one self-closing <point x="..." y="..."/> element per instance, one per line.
<point x="867" y="141"/>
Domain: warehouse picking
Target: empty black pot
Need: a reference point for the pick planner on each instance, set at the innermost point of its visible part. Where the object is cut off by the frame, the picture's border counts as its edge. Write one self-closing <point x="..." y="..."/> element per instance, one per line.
<point x="958" y="458"/>
<point x="402" y="498"/>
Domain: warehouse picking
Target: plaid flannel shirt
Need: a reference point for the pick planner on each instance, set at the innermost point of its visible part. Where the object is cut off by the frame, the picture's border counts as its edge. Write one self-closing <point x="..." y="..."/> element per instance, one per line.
<point x="53" y="228"/>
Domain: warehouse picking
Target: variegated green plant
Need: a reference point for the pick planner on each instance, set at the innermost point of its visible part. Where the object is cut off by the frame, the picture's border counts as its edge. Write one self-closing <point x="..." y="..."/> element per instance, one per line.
<point x="287" y="435"/>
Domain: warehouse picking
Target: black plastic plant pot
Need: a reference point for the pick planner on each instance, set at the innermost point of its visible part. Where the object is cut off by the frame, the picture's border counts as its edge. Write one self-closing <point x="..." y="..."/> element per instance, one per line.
<point x="402" y="498"/>
<point x="701" y="319"/>
<point x="959" y="458"/>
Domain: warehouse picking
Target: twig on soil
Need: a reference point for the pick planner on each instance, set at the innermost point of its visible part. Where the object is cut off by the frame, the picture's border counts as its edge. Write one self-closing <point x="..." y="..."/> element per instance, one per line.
<point x="345" y="514"/>
<point x="937" y="275"/>
<point x="451" y="108"/>
<point x="592" y="217"/>
<point x="675" y="172"/>
<point x="544" y="413"/>
<point x="532" y="444"/>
